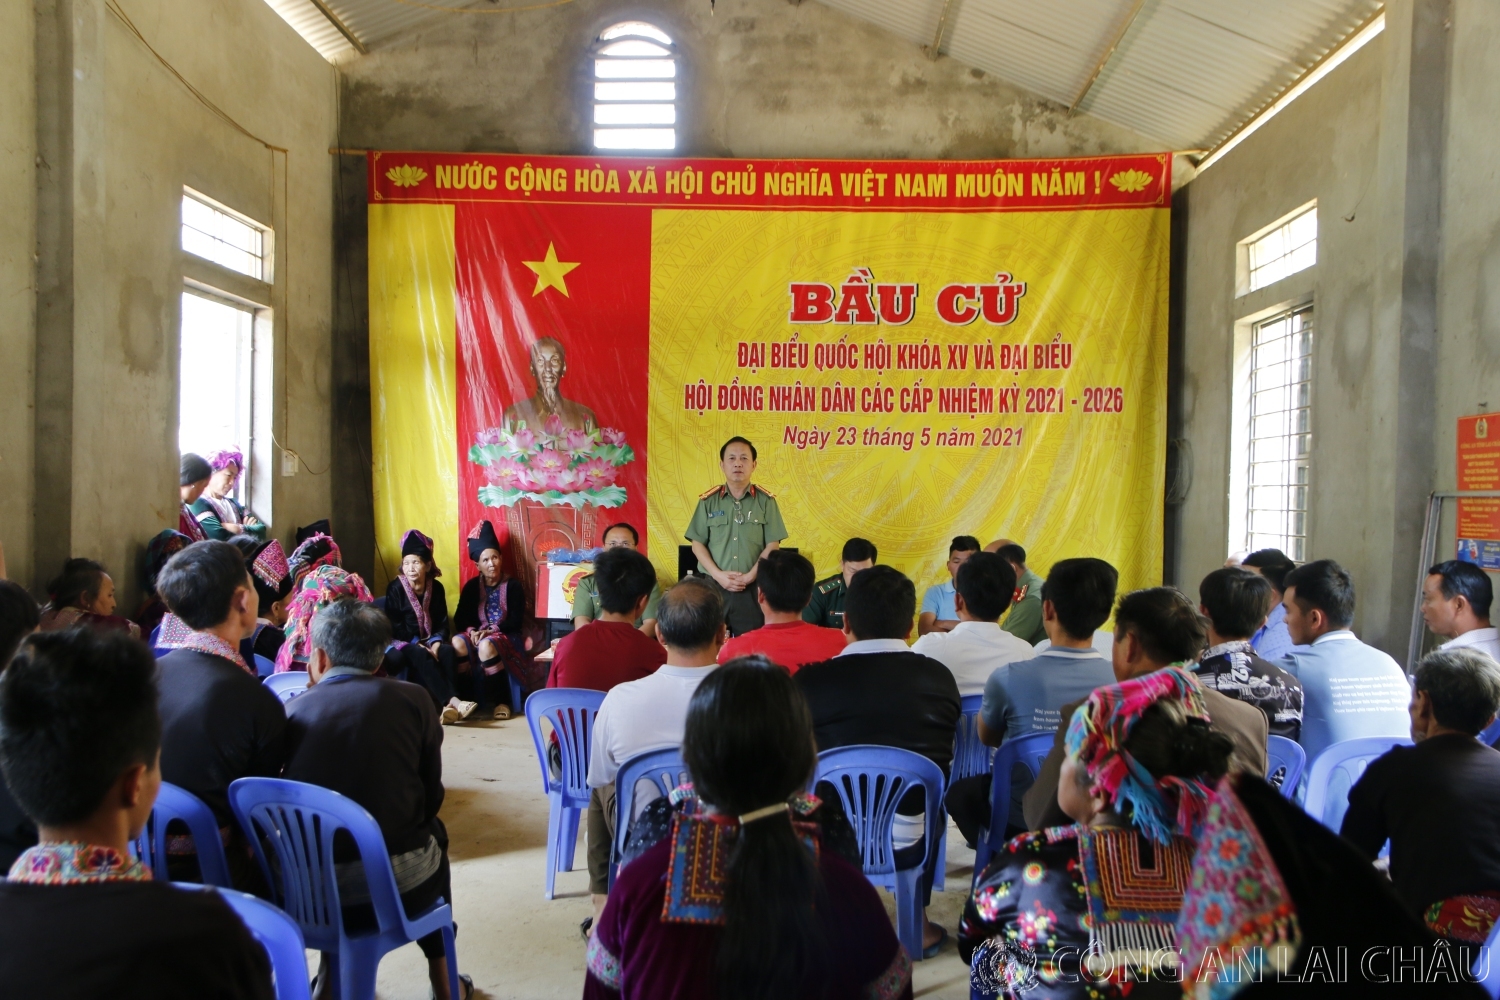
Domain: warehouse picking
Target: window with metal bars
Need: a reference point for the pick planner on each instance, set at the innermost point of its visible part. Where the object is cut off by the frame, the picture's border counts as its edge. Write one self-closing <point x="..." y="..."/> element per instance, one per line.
<point x="1280" y="433"/>
<point x="1291" y="247"/>
<point x="635" y="88"/>
<point x="213" y="232"/>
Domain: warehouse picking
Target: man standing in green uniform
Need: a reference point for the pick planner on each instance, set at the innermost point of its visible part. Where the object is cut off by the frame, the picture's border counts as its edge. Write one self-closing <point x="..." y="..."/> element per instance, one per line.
<point x="733" y="526"/>
<point x="1024" y="621"/>
<point x="586" y="606"/>
<point x="827" y="605"/>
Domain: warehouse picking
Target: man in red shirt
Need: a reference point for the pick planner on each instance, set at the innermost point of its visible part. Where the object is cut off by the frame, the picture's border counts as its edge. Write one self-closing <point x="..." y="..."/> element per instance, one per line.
<point x="786" y="583"/>
<point x="610" y="650"/>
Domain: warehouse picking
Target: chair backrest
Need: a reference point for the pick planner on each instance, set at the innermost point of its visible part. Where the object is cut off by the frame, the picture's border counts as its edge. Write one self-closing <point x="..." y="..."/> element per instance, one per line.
<point x="970" y="757"/>
<point x="287" y="685"/>
<point x="571" y="712"/>
<point x="663" y="768"/>
<point x="1029" y="751"/>
<point x="1488" y="737"/>
<point x="279" y="935"/>
<point x="264" y="666"/>
<point x="1335" y="771"/>
<point x="179" y="804"/>
<point x="1285" y="760"/>
<point x="871" y="781"/>
<point x="296" y="822"/>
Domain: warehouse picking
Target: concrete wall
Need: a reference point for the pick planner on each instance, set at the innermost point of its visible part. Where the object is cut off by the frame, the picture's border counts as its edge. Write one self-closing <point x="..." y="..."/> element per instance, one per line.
<point x="119" y="137"/>
<point x="759" y="78"/>
<point x="1398" y="148"/>
<point x="17" y="282"/>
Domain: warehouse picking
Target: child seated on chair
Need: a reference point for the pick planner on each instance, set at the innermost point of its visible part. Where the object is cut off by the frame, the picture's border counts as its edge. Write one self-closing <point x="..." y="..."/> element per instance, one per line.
<point x="80" y="742"/>
<point x="378" y="741"/>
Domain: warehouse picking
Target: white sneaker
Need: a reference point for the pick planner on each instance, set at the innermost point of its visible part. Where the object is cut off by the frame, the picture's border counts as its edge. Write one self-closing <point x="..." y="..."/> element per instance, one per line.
<point x="466" y="709"/>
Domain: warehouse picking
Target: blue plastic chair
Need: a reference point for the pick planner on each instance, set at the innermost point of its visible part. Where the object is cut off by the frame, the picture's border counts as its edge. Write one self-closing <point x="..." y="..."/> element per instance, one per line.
<point x="665" y="769"/>
<point x="1288" y="757"/>
<point x="970" y="757"/>
<point x="1029" y="750"/>
<point x="1486" y="970"/>
<point x="278" y="934"/>
<point x="264" y="666"/>
<point x="571" y="712"/>
<point x="297" y="822"/>
<point x="870" y="781"/>
<point x="1334" y="772"/>
<point x="287" y="685"/>
<point x="174" y="803"/>
<point x="1491" y="733"/>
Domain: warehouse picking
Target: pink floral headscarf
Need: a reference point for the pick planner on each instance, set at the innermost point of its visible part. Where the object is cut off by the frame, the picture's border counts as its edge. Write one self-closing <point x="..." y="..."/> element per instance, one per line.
<point x="317" y="590"/>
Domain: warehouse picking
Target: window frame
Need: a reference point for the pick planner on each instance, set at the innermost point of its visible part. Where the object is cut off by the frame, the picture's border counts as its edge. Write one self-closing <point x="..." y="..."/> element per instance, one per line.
<point x="1240" y="521"/>
<point x="1242" y="269"/>
<point x="592" y="78"/>
<point x="267" y="236"/>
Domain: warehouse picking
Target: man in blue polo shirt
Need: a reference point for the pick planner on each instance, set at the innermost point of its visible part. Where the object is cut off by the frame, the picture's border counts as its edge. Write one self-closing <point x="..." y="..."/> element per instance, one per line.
<point x="1349" y="689"/>
<point x="939" y="604"/>
<point x="1027" y="696"/>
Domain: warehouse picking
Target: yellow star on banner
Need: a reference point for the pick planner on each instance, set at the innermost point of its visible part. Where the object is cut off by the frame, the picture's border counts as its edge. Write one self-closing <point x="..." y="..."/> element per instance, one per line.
<point x="550" y="272"/>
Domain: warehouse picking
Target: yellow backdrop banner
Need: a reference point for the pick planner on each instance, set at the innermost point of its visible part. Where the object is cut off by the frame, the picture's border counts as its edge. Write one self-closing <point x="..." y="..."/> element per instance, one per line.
<point x="917" y="349"/>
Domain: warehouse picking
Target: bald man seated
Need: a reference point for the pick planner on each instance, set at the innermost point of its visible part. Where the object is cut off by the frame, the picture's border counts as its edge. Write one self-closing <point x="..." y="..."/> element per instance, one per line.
<point x="1155" y="628"/>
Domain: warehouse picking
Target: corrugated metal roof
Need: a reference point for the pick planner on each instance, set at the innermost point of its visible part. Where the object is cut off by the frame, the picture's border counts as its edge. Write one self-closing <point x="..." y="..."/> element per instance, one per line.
<point x="371" y="21"/>
<point x="1186" y="73"/>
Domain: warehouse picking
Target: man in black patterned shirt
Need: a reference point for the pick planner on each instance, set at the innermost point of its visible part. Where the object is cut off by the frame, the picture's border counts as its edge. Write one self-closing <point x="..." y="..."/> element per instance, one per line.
<point x="1235" y="602"/>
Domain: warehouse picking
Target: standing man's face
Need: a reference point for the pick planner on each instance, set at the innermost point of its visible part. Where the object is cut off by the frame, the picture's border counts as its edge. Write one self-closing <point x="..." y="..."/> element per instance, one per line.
<point x="619" y="538"/>
<point x="737" y="464"/>
<point x="548" y="365"/>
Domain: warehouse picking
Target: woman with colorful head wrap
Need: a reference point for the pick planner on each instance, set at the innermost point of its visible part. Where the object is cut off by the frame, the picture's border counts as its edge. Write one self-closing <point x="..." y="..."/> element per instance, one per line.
<point x="491" y="608"/>
<point x="219" y="513"/>
<point x="164" y="546"/>
<point x="417" y="606"/>
<point x="272" y="574"/>
<point x="1089" y="910"/>
<point x="317" y="589"/>
<point x="312" y="552"/>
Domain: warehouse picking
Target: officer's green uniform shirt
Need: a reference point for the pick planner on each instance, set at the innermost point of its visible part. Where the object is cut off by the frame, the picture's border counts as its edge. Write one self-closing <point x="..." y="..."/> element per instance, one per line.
<point x="1024" y="619"/>
<point x="827" y="605"/>
<point x="586" y="601"/>
<point x="736" y="532"/>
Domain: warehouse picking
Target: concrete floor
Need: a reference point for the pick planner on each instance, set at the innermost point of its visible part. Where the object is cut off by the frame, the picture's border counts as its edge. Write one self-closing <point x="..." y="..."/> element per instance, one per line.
<point x="518" y="944"/>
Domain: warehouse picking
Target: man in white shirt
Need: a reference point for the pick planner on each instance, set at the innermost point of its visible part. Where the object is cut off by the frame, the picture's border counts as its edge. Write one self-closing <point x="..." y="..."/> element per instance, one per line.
<point x="1349" y="689"/>
<point x="650" y="713"/>
<point x="1456" y="599"/>
<point x="977" y="645"/>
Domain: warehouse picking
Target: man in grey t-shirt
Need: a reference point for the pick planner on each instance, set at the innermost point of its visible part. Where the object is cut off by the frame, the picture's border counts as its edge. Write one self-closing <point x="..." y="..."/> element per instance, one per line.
<point x="1027" y="696"/>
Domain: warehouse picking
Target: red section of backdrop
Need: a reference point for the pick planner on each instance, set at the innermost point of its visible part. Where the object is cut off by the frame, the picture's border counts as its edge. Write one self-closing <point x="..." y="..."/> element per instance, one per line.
<point x="603" y="323"/>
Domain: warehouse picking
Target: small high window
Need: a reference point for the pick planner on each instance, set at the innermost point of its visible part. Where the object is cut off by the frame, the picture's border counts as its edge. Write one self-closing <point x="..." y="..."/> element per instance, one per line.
<point x="1291" y="245"/>
<point x="635" y="88"/>
<point x="213" y="232"/>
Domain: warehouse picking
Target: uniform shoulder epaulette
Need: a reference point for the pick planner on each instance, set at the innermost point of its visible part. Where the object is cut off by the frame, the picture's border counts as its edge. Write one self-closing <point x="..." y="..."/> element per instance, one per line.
<point x="831" y="584"/>
<point x="709" y="492"/>
<point x="765" y="491"/>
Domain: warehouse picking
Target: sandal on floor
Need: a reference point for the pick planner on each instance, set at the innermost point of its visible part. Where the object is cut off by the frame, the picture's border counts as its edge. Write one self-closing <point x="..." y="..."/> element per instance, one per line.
<point x="585" y="927"/>
<point x="931" y="950"/>
<point x="502" y="712"/>
<point x="465" y="987"/>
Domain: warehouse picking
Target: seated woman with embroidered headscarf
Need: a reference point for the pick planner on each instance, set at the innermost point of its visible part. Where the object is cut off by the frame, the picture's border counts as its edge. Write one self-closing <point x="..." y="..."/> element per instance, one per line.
<point x="1089" y="910"/>
<point x="314" y="551"/>
<point x="268" y="567"/>
<point x="741" y="902"/>
<point x="84" y="594"/>
<point x="417" y="606"/>
<point x="491" y="607"/>
<point x="220" y="514"/>
<point x="164" y="546"/>
<point x="194" y="472"/>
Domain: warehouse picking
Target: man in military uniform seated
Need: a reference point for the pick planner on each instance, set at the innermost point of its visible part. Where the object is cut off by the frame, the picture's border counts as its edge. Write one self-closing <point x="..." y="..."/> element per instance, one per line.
<point x="827" y="605"/>
<point x="734" y="526"/>
<point x="586" y="606"/>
